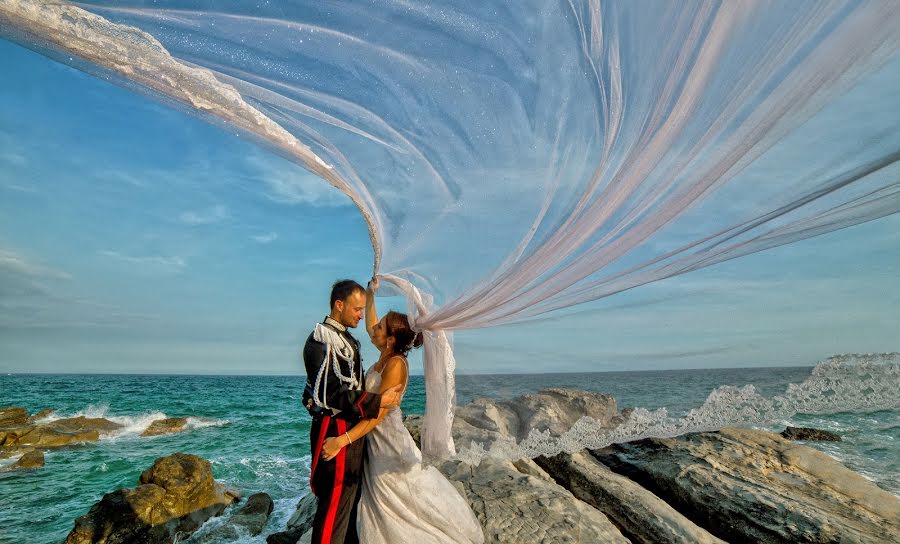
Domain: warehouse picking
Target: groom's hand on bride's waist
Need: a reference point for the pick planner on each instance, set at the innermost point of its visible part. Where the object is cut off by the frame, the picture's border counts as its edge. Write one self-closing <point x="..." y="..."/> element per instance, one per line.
<point x="391" y="397"/>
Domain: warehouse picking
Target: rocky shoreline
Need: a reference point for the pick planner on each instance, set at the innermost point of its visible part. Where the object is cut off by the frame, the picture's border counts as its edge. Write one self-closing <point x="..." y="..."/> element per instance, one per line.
<point x="25" y="437"/>
<point x="733" y="485"/>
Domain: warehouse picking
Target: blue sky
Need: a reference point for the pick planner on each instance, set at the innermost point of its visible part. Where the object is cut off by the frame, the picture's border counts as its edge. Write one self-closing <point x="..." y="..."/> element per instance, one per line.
<point x="136" y="238"/>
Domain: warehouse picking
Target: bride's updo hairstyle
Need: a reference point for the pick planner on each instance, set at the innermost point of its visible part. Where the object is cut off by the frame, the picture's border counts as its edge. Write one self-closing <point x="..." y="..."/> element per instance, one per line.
<point x="405" y="339"/>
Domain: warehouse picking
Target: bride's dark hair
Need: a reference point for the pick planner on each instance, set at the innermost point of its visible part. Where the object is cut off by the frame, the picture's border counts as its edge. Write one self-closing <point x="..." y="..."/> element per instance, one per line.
<point x="405" y="339"/>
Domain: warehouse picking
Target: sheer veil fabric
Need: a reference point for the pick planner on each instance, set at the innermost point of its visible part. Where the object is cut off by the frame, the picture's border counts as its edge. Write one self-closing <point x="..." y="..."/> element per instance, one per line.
<point x="563" y="151"/>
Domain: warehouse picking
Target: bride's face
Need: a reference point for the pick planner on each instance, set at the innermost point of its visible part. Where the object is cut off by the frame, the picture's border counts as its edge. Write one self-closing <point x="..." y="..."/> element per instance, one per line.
<point x="380" y="337"/>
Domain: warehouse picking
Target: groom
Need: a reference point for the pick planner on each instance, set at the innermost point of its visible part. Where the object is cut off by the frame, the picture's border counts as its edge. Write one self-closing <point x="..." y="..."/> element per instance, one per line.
<point x="336" y="399"/>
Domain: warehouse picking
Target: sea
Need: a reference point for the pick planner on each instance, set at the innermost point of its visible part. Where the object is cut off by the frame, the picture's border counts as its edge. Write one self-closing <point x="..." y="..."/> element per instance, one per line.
<point x="255" y="433"/>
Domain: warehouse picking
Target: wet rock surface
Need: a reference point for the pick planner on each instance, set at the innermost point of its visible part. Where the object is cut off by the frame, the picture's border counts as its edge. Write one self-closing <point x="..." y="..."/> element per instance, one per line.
<point x="29" y="461"/>
<point x="639" y="514"/>
<point x="249" y="520"/>
<point x="810" y="434"/>
<point x="166" y="426"/>
<point x="752" y="486"/>
<point x="14" y="416"/>
<point x="173" y="498"/>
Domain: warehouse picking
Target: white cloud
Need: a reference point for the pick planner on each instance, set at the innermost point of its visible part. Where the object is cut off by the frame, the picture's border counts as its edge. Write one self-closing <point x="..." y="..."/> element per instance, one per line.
<point x="151" y="260"/>
<point x="13" y="158"/>
<point x="15" y="263"/>
<point x="266" y="238"/>
<point x="205" y="217"/>
<point x="288" y="183"/>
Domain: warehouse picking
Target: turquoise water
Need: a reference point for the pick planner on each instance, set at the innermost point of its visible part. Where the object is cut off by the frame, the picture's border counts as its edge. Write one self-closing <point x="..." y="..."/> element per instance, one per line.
<point x="255" y="433"/>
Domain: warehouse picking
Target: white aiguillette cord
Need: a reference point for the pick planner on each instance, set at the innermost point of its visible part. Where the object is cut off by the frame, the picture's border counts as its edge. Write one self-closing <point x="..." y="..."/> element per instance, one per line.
<point x="337" y="348"/>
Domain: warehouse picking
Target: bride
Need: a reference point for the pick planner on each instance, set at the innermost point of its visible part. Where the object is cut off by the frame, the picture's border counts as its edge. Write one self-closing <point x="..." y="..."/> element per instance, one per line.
<point x="402" y="501"/>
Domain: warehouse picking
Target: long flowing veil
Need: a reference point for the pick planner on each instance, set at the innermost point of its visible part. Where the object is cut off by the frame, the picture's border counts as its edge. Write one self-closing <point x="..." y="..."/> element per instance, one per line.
<point x="563" y="151"/>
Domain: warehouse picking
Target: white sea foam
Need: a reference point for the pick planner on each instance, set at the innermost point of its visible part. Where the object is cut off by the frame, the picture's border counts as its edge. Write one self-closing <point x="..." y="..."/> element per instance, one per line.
<point x="204" y="422"/>
<point x="843" y="383"/>
<point x="132" y="425"/>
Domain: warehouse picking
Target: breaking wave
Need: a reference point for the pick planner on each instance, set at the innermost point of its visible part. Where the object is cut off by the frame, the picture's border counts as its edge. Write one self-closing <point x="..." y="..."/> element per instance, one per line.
<point x="132" y="425"/>
<point x="842" y="383"/>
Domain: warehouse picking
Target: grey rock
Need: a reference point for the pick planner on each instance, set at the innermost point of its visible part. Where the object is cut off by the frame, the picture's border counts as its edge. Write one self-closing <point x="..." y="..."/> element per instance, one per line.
<point x="291" y="536"/>
<point x="752" y="486"/>
<point x="639" y="514"/>
<point x="306" y="511"/>
<point x="413" y="424"/>
<point x="249" y="520"/>
<point x="810" y="434"/>
<point x="527" y="507"/>
<point x="299" y="526"/>
<point x="555" y="410"/>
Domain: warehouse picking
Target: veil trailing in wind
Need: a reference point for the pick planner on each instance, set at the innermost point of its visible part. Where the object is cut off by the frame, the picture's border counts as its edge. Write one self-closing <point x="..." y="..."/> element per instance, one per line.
<point x="513" y="159"/>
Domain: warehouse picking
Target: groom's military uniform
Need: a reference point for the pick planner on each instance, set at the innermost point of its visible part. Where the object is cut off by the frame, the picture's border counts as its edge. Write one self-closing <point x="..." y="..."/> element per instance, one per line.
<point x="335" y="406"/>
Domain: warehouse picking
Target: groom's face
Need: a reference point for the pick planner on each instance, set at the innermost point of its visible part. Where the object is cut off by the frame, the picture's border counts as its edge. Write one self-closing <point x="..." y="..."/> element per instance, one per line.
<point x="351" y="309"/>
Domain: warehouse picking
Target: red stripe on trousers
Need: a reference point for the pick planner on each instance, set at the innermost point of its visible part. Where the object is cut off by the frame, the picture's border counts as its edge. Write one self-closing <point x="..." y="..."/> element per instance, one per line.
<point x="359" y="403"/>
<point x="318" y="451"/>
<point x="338" y="486"/>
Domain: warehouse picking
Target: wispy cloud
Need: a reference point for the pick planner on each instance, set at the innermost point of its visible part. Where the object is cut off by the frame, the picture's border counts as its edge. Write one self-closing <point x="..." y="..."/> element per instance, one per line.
<point x="14" y="263"/>
<point x="266" y="238"/>
<point x="13" y="158"/>
<point x="151" y="260"/>
<point x="204" y="217"/>
<point x="287" y="183"/>
<point x="120" y="176"/>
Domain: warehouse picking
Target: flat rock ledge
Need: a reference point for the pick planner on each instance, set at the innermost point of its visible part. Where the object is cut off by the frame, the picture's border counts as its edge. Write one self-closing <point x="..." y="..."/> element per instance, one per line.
<point x="752" y="486"/>
<point x="735" y="485"/>
<point x="21" y="433"/>
<point x="173" y="499"/>
<point x="166" y="426"/>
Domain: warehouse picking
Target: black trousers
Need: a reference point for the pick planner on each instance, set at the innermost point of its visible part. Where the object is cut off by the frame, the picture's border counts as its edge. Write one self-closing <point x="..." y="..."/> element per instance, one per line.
<point x="336" y="483"/>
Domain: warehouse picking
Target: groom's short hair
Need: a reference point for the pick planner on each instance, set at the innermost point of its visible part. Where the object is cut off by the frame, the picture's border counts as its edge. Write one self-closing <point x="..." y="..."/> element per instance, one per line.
<point x="343" y="289"/>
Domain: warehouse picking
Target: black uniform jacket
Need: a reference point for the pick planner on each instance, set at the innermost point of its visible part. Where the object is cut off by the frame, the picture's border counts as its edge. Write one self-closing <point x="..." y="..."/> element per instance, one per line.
<point x="352" y="404"/>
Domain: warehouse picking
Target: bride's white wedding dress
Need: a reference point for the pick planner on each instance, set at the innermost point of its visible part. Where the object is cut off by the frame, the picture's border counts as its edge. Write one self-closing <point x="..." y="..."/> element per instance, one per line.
<point x="402" y="501"/>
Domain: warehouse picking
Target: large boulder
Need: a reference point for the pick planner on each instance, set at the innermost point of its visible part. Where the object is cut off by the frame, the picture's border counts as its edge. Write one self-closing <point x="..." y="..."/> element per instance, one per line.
<point x="753" y="486"/>
<point x="639" y="514"/>
<point x="166" y="426"/>
<point x="173" y="498"/>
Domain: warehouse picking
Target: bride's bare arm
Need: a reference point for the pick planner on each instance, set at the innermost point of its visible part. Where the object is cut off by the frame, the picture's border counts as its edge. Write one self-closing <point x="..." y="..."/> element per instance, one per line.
<point x="394" y="373"/>
<point x="371" y="314"/>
